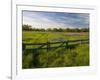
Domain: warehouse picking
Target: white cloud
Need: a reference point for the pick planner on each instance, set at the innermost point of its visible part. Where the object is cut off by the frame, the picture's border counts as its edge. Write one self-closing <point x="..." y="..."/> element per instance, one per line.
<point x="45" y="23"/>
<point x="54" y="20"/>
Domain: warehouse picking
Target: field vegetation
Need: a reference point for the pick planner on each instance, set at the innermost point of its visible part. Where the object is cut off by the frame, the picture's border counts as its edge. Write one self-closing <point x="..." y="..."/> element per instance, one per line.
<point x="77" y="55"/>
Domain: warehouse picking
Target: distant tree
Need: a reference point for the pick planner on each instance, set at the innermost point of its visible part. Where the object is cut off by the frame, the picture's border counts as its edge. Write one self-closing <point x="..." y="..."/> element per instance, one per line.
<point x="29" y="28"/>
<point x="55" y="29"/>
<point x="60" y="30"/>
<point x="68" y="30"/>
<point x="76" y="30"/>
<point x="26" y="27"/>
<point x="85" y="30"/>
<point x="42" y="30"/>
<point x="49" y="29"/>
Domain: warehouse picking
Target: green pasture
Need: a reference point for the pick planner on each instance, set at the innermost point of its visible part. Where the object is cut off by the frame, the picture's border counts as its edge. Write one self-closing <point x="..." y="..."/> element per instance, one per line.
<point x="38" y="37"/>
<point x="60" y="57"/>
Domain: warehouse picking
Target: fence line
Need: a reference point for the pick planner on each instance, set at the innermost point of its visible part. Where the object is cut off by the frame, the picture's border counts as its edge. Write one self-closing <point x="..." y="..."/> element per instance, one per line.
<point x="48" y="45"/>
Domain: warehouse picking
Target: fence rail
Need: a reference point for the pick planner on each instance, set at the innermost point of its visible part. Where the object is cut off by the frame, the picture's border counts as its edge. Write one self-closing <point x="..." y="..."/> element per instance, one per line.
<point x="48" y="45"/>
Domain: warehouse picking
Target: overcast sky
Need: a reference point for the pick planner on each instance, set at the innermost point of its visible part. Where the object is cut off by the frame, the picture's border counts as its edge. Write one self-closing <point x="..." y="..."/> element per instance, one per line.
<point x="45" y="20"/>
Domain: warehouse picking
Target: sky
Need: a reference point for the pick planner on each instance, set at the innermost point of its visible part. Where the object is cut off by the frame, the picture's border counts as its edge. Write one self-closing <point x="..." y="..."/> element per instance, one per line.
<point x="42" y="19"/>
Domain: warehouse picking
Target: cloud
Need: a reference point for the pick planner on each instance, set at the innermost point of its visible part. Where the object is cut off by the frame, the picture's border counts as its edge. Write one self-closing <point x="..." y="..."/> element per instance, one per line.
<point x="55" y="19"/>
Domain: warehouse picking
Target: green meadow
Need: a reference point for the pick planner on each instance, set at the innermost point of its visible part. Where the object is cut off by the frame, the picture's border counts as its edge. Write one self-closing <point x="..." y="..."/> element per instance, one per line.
<point x="37" y="37"/>
<point x="59" y="57"/>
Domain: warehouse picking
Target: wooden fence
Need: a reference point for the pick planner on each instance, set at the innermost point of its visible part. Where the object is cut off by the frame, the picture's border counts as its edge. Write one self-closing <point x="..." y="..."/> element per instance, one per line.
<point x="48" y="45"/>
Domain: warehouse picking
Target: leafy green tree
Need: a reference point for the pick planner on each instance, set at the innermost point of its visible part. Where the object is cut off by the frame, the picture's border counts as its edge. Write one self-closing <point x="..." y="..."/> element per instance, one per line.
<point x="85" y="29"/>
<point x="29" y="28"/>
<point x="55" y="29"/>
<point x="49" y="29"/>
<point x="26" y="27"/>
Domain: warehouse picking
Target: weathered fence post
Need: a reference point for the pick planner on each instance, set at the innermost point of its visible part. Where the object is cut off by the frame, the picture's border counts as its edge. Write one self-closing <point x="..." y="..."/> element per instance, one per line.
<point x="35" y="59"/>
<point x="66" y="44"/>
<point x="48" y="46"/>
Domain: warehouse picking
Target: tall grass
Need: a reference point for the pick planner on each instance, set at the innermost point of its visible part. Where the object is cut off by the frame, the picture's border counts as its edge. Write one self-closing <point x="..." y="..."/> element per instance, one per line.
<point x="60" y="57"/>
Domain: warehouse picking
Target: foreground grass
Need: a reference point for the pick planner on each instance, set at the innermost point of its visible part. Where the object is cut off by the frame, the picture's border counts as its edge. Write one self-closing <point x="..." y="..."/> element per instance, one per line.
<point x="60" y="57"/>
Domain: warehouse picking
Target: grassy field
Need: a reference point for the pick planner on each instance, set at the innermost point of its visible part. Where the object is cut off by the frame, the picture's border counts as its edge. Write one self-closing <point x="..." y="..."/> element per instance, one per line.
<point x="60" y="57"/>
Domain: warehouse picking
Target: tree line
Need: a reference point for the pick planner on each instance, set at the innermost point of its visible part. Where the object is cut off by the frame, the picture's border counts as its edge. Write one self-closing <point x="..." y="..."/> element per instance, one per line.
<point x="29" y="28"/>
